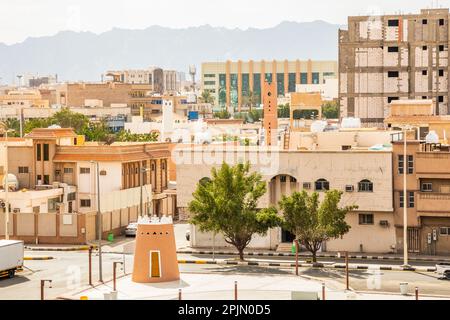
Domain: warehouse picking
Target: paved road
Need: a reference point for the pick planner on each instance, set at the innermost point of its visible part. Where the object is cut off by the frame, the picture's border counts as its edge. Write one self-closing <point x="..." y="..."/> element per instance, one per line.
<point x="69" y="271"/>
<point x="302" y="259"/>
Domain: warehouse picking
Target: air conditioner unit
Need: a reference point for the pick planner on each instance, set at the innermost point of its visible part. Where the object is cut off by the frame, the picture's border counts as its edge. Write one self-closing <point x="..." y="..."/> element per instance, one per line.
<point x="384" y="223"/>
<point x="16" y="210"/>
<point x="307" y="185"/>
<point x="349" y="188"/>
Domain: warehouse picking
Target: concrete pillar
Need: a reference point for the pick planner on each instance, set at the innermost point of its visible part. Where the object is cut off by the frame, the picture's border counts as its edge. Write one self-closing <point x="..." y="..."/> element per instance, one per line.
<point x="288" y="185"/>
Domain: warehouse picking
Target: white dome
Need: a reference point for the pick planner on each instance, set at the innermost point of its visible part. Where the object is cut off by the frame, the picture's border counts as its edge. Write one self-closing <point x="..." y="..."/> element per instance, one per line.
<point x="351" y="122"/>
<point x="318" y="126"/>
<point x="432" y="137"/>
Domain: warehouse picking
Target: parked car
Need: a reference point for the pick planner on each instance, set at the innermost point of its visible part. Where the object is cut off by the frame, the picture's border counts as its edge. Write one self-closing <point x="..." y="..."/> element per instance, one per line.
<point x="443" y="269"/>
<point x="11" y="257"/>
<point x="131" y="229"/>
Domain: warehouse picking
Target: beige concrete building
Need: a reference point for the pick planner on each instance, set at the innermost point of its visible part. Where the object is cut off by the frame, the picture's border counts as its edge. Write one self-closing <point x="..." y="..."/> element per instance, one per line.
<point x="391" y="57"/>
<point x="364" y="176"/>
<point x="48" y="156"/>
<point x="231" y="83"/>
<point x="427" y="166"/>
<point x="23" y="99"/>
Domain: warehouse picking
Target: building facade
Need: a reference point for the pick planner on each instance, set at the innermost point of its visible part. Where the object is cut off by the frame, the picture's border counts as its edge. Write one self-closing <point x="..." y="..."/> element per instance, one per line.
<point x="46" y="157"/>
<point x="391" y="57"/>
<point x="287" y="171"/>
<point x="240" y="84"/>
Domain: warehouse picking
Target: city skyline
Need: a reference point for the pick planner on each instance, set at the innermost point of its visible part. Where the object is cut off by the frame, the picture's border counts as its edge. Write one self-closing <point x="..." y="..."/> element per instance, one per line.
<point x="82" y="15"/>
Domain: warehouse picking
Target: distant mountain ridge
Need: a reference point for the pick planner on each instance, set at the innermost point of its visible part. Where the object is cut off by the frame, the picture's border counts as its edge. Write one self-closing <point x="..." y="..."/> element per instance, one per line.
<point x="86" y="55"/>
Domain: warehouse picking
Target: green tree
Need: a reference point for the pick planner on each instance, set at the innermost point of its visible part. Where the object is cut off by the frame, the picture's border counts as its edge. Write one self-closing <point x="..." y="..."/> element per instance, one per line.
<point x="206" y="97"/>
<point x="313" y="222"/>
<point x="13" y="125"/>
<point x="223" y="114"/>
<point x="31" y="124"/>
<point x="97" y="131"/>
<point x="330" y="110"/>
<point x="68" y="119"/>
<point x="227" y="204"/>
<point x="284" y="111"/>
<point x="127" y="136"/>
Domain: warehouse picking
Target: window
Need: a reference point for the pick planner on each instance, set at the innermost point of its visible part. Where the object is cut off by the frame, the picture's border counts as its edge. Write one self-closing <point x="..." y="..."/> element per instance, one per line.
<point x="424" y="21"/>
<point x="209" y="83"/>
<point x="209" y="75"/>
<point x="303" y="78"/>
<point x="68" y="170"/>
<point x="306" y="185"/>
<point x="441" y="22"/>
<point x="410" y="164"/>
<point x="441" y="47"/>
<point x="390" y="99"/>
<point x="426" y="187"/>
<point x="441" y="99"/>
<point x="85" y="170"/>
<point x="424" y="48"/>
<point x="315" y="78"/>
<point x="424" y="97"/>
<point x="441" y="72"/>
<point x="51" y="204"/>
<point x="322" y="185"/>
<point x="84" y="203"/>
<point x="393" y="74"/>
<point x="23" y="169"/>
<point x="401" y="199"/>
<point x="393" y="23"/>
<point x="392" y="49"/>
<point x="400" y="163"/>
<point x="424" y="72"/>
<point x="38" y="152"/>
<point x="283" y="179"/>
<point x="46" y="179"/>
<point x="411" y="199"/>
<point x="366" y="218"/>
<point x="365" y="186"/>
<point x="444" y="231"/>
<point x="71" y="196"/>
<point x="39" y="179"/>
<point x="46" y="151"/>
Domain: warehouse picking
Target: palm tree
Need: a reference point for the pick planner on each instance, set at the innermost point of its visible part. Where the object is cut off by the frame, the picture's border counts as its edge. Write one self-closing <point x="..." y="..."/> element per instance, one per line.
<point x="206" y="97"/>
<point x="250" y="100"/>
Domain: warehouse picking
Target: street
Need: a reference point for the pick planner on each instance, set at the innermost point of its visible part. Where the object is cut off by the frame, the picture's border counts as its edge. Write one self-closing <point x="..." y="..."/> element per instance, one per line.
<point x="69" y="272"/>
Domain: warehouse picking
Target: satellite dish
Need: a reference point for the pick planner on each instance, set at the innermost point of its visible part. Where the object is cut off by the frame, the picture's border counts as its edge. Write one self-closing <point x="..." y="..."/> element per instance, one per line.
<point x="432" y="137"/>
<point x="13" y="182"/>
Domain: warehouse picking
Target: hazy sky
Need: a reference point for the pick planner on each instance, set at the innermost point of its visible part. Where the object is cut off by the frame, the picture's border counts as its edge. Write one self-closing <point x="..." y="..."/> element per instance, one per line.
<point x="24" y="18"/>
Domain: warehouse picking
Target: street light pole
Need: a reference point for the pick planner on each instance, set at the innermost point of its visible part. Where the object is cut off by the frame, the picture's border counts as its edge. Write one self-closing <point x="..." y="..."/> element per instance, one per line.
<point x="114" y="273"/>
<point x="405" y="204"/>
<point x="6" y="189"/>
<point x="100" y="225"/>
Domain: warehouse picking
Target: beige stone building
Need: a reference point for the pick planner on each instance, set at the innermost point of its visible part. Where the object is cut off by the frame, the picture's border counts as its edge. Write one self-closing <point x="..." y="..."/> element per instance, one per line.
<point x="46" y="157"/>
<point x="364" y="177"/>
<point x="391" y="57"/>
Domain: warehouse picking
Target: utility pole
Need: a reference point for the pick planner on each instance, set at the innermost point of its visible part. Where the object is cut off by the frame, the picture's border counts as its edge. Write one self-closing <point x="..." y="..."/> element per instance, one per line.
<point x="6" y="189"/>
<point x="296" y="257"/>
<point x="90" y="265"/>
<point x="405" y="203"/>
<point x="100" y="224"/>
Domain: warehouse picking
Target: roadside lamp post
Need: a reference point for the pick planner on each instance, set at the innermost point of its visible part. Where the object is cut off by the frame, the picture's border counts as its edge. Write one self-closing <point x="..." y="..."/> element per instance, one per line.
<point x="5" y="130"/>
<point x="100" y="223"/>
<point x="347" y="284"/>
<point x="43" y="286"/>
<point x="405" y="199"/>
<point x="114" y="273"/>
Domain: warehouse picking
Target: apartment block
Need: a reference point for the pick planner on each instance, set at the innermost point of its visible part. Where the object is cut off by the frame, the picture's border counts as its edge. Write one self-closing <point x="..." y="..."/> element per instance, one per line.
<point x="48" y="159"/>
<point x="393" y="57"/>
<point x="240" y="84"/>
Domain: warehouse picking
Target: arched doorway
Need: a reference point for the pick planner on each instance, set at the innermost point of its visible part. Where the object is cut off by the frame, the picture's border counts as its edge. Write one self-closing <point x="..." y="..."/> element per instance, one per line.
<point x="280" y="185"/>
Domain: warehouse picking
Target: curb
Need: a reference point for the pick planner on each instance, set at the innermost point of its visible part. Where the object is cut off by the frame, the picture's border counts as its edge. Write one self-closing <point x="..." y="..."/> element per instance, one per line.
<point x="288" y="254"/>
<point x="81" y="248"/>
<point x="307" y="265"/>
<point x="38" y="258"/>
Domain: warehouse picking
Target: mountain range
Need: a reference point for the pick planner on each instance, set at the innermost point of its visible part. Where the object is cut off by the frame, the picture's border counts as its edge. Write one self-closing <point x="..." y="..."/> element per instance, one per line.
<point x="85" y="55"/>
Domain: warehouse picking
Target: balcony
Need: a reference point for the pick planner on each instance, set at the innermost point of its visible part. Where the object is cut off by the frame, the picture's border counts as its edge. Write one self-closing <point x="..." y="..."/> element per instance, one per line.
<point x="436" y="203"/>
<point x="434" y="162"/>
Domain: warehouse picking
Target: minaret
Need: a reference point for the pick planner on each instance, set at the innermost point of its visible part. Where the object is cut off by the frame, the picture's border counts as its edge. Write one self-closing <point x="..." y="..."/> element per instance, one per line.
<point x="270" y="112"/>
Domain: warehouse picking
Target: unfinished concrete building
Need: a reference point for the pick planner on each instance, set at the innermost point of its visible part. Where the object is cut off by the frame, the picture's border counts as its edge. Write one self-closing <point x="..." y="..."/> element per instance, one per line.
<point x="393" y="57"/>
